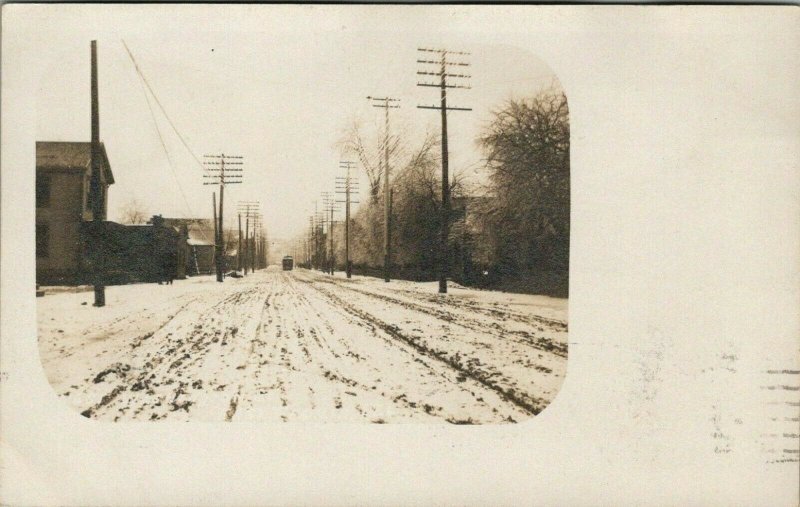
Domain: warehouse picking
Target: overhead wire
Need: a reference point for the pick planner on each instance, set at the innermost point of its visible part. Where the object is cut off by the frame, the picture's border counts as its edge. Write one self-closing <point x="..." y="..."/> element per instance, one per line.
<point x="170" y="163"/>
<point x="158" y="102"/>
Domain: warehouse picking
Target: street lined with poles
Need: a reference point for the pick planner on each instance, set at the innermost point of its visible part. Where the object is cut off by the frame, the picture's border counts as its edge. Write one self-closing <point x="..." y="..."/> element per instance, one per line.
<point x="347" y="185"/>
<point x="252" y="215"/>
<point x="300" y="341"/>
<point x="221" y="170"/>
<point x="438" y="68"/>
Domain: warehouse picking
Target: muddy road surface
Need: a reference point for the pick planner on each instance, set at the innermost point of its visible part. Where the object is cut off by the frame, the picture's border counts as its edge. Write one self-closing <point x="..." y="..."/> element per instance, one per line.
<point x="303" y="346"/>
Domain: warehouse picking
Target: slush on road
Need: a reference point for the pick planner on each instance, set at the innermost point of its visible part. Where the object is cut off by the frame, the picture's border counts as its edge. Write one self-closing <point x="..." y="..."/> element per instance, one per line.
<point x="303" y="346"/>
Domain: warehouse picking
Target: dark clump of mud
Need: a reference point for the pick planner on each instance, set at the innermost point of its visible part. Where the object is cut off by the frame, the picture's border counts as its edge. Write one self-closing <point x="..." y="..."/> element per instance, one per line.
<point x="119" y="369"/>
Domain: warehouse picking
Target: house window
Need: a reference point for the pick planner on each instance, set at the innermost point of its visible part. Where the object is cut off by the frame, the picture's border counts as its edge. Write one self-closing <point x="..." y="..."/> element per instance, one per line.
<point x="42" y="241"/>
<point x="42" y="191"/>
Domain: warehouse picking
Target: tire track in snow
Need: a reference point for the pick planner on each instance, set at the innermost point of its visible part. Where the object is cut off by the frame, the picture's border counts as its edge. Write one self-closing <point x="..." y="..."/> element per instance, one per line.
<point x="326" y="363"/>
<point x="377" y="376"/>
<point x="555" y="324"/>
<point x="527" y="403"/>
<point x="528" y="339"/>
<point x="503" y="370"/>
<point x="283" y="347"/>
<point x="176" y="357"/>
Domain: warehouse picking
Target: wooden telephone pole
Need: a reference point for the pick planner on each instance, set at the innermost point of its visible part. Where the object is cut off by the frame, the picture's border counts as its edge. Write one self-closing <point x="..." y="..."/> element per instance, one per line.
<point x="329" y="206"/>
<point x="216" y="227"/>
<point x="442" y="64"/>
<point x="254" y="251"/>
<point x="239" y="251"/>
<point x="222" y="170"/>
<point x="310" y="243"/>
<point x="246" y="241"/>
<point x="248" y="209"/>
<point x="318" y="219"/>
<point x="96" y="190"/>
<point x="386" y="103"/>
<point x="346" y="185"/>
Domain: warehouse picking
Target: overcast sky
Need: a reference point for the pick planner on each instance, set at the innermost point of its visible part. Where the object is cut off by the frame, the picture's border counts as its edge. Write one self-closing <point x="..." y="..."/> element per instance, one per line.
<point x="280" y="100"/>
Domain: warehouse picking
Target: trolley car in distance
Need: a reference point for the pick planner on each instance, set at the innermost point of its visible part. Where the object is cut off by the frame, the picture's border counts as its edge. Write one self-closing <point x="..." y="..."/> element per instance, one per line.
<point x="288" y="263"/>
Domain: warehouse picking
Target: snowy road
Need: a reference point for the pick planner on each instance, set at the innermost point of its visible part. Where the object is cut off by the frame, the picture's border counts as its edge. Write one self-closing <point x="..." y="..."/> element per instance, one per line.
<point x="302" y="346"/>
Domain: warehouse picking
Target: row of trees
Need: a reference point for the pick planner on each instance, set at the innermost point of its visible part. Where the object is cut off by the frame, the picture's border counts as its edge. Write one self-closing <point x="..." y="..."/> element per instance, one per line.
<point x="510" y="230"/>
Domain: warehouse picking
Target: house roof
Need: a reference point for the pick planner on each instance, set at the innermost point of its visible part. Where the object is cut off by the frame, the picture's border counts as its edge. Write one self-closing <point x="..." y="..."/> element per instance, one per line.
<point x="70" y="155"/>
<point x="200" y="230"/>
<point x="198" y="242"/>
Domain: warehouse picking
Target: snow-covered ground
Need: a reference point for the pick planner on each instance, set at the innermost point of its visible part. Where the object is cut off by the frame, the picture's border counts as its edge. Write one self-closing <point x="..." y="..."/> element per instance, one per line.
<point x="303" y="346"/>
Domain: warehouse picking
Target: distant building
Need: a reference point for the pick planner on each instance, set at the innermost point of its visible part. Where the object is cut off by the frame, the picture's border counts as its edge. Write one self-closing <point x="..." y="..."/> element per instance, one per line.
<point x="62" y="204"/>
<point x="151" y="252"/>
<point x="200" y="243"/>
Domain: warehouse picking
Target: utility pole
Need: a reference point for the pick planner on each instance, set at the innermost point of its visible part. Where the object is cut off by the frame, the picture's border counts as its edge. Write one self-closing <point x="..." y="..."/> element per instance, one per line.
<point x="325" y="261"/>
<point x="307" y="241"/>
<point x="249" y="209"/>
<point x="216" y="228"/>
<point x="96" y="189"/>
<point x="310" y="243"/>
<point x="254" y="252"/>
<point x="319" y="224"/>
<point x="247" y="242"/>
<point x="442" y="65"/>
<point x="313" y="240"/>
<point x="333" y="254"/>
<point x="320" y="240"/>
<point x="258" y="235"/>
<point x="239" y="251"/>
<point x="386" y="103"/>
<point x="223" y="170"/>
<point x="330" y="206"/>
<point x="344" y="185"/>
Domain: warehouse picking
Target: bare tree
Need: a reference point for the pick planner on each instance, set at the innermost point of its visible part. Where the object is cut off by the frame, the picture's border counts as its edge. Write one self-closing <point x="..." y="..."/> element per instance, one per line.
<point x="416" y="201"/>
<point x="369" y="152"/>
<point x="133" y="212"/>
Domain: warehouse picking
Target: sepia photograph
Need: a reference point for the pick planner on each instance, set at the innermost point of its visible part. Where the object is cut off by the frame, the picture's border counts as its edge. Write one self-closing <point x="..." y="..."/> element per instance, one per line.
<point x="399" y="255"/>
<point x="220" y="237"/>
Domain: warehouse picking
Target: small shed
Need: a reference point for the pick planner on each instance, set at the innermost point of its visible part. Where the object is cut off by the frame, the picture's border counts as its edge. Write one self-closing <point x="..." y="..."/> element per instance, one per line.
<point x="199" y="242"/>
